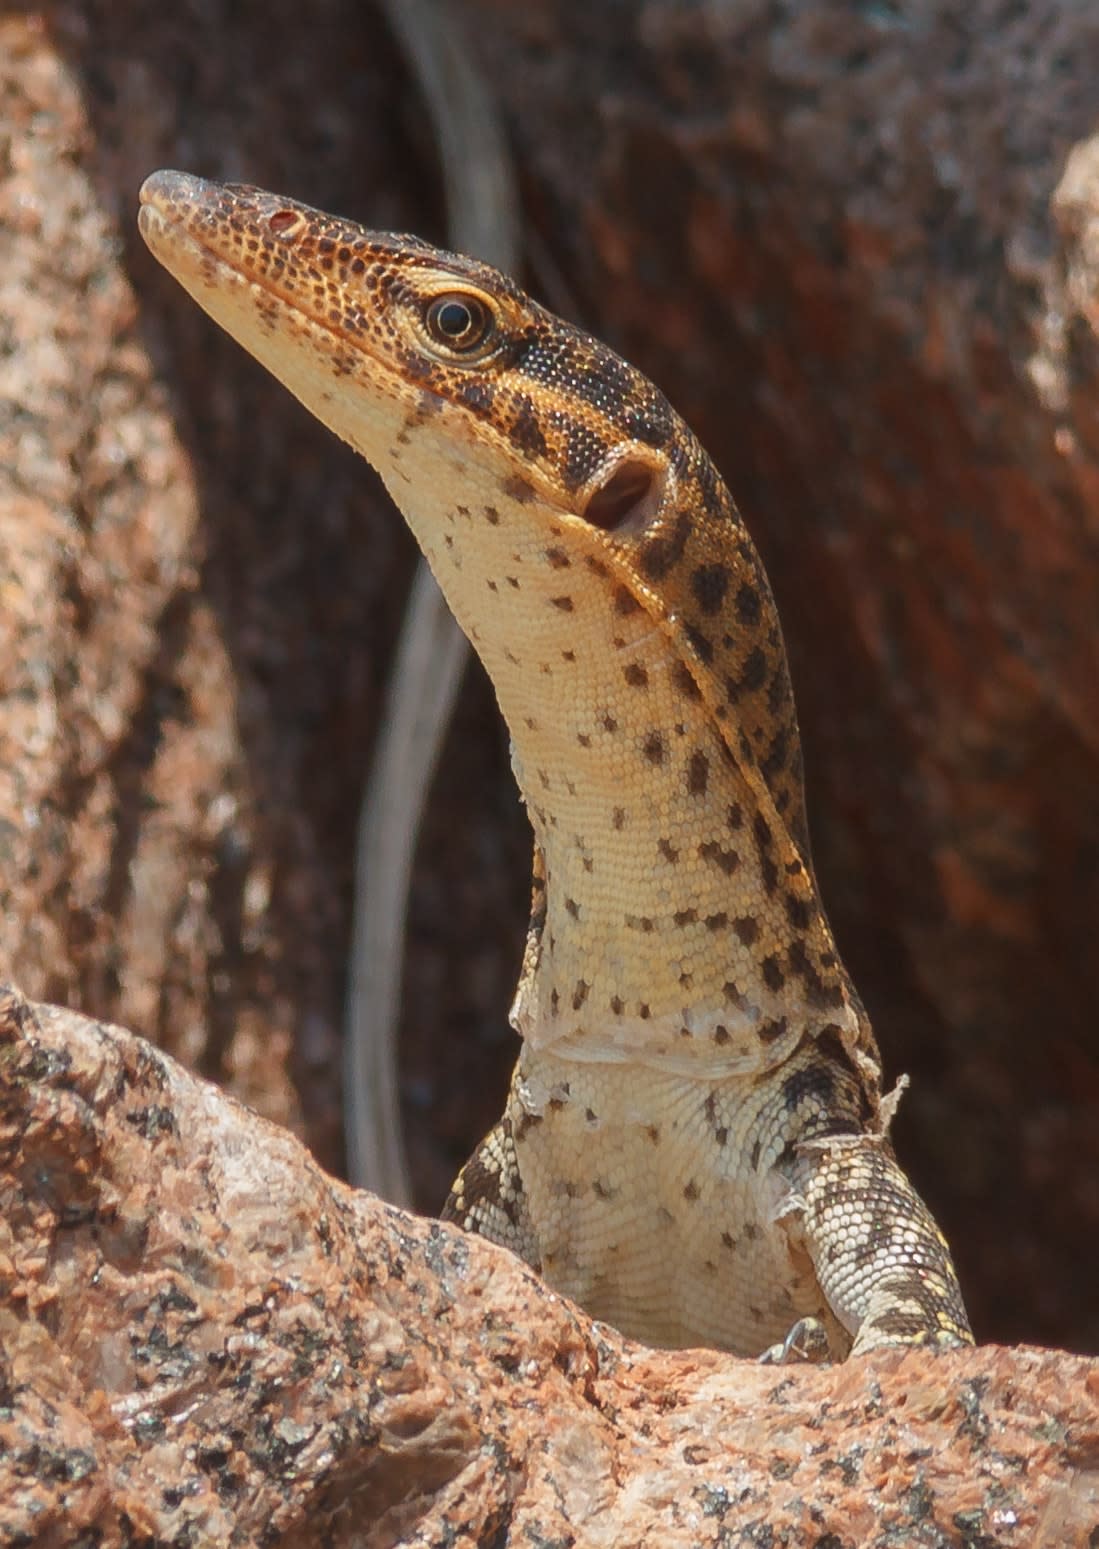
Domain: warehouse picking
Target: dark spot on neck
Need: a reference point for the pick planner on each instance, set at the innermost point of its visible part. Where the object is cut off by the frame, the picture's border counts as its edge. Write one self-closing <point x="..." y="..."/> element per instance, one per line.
<point x="480" y="396"/>
<point x="773" y="976"/>
<point x="683" y="679"/>
<point x="519" y="488"/>
<point x="754" y="671"/>
<point x="525" y="432"/>
<point x="725" y="860"/>
<point x="698" y="774"/>
<point x="814" y="1082"/>
<point x="775" y="760"/>
<point x="747" y="929"/>
<point x="659" y="554"/>
<point x="709" y="584"/>
<point x="704" y="647"/>
<point x="748" y="603"/>
<point x="799" y="912"/>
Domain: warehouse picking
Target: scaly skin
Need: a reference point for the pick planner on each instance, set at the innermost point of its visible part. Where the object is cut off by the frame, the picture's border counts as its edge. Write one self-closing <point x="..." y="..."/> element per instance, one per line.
<point x="694" y="1144"/>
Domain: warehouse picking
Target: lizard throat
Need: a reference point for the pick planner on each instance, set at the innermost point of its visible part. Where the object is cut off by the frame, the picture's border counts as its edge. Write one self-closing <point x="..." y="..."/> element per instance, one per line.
<point x="682" y="927"/>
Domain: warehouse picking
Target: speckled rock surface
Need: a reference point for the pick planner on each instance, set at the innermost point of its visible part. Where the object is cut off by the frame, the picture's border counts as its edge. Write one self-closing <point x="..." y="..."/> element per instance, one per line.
<point x="205" y="1340"/>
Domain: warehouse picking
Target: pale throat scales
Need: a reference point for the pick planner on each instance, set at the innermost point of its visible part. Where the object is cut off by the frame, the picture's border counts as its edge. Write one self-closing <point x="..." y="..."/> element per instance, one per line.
<point x="664" y="922"/>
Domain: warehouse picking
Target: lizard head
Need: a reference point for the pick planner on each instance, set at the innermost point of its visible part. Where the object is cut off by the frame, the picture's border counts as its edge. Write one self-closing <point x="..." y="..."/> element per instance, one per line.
<point x="597" y="563"/>
<point x="449" y="350"/>
<point x="433" y="331"/>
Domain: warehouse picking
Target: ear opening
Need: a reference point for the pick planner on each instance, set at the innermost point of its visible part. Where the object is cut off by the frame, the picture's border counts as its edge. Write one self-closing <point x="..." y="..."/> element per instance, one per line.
<point x="628" y="496"/>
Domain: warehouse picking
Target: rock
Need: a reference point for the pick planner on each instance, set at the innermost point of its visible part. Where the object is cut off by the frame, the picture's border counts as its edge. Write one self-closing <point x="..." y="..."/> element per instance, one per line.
<point x="206" y="1340"/>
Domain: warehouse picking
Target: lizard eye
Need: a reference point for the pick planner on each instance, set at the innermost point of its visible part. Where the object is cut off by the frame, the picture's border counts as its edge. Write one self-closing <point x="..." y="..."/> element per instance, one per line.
<point x="460" y="323"/>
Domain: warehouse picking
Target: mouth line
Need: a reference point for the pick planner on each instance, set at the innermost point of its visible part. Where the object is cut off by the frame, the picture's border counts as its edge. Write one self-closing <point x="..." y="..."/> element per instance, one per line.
<point x="169" y="232"/>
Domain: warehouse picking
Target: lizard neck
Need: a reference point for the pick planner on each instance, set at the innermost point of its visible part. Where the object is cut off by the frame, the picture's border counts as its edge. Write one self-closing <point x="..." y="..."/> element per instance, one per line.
<point x="676" y="919"/>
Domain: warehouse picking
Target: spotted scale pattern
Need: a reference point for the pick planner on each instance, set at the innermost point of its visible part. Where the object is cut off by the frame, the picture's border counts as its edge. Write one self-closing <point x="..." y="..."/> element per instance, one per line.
<point x="694" y="1141"/>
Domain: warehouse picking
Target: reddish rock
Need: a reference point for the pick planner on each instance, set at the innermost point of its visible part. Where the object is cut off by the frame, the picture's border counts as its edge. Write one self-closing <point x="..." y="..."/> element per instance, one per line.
<point x="204" y="1339"/>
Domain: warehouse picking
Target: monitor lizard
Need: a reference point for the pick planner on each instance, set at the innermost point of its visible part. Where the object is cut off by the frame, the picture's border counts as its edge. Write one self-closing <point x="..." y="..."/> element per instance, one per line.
<point x="695" y="1144"/>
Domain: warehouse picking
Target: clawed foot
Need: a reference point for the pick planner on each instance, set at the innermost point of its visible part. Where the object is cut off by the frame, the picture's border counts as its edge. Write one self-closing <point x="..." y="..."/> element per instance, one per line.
<point x="807" y="1342"/>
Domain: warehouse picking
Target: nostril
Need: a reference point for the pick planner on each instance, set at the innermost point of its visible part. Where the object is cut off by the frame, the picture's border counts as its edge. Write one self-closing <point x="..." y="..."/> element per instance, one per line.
<point x="630" y="495"/>
<point x="283" y="222"/>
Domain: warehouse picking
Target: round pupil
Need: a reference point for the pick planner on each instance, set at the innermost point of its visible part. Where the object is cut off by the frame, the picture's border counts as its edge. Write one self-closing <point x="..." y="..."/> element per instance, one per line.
<point x="454" y="319"/>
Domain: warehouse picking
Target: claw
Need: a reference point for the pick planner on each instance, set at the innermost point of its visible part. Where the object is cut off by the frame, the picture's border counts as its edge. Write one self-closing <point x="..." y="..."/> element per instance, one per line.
<point x="807" y="1342"/>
